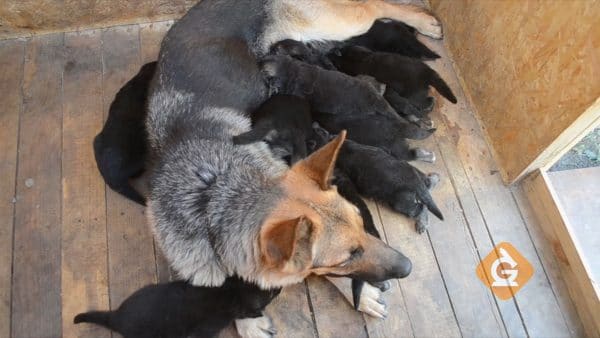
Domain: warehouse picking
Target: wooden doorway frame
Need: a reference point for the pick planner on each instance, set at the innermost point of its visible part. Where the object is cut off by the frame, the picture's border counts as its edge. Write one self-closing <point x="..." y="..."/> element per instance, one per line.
<point x="584" y="291"/>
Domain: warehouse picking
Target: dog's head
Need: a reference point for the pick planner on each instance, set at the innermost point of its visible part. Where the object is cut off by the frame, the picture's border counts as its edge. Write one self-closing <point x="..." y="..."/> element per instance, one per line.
<point x="346" y="58"/>
<point x="314" y="230"/>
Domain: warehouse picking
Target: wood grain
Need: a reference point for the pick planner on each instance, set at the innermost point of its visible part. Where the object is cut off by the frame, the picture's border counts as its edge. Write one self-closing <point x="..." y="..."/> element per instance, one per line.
<point x="397" y="323"/>
<point x="11" y="75"/>
<point x="291" y="314"/>
<point x="151" y="36"/>
<point x="447" y="137"/>
<point x="334" y="315"/>
<point x="131" y="250"/>
<point x="537" y="304"/>
<point x="36" y="280"/>
<point x="456" y="254"/>
<point x="575" y="270"/>
<point x="552" y="268"/>
<point x="84" y="247"/>
<point x="531" y="68"/>
<point x="27" y="17"/>
<point x="427" y="301"/>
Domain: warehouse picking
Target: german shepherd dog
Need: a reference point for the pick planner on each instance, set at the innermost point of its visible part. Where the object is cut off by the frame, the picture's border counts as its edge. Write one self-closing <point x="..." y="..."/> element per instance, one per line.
<point x="219" y="209"/>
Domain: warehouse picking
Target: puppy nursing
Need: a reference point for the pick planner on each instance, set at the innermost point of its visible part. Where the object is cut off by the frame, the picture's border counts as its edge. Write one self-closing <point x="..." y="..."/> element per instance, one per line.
<point x="239" y="184"/>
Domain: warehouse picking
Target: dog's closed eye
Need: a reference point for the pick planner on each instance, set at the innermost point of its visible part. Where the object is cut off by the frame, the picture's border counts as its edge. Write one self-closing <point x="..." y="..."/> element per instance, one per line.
<point x="354" y="254"/>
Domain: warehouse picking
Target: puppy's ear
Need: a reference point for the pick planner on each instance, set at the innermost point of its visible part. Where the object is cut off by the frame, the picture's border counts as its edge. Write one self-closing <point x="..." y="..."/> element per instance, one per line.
<point x="287" y="241"/>
<point x="254" y="135"/>
<point x="320" y="164"/>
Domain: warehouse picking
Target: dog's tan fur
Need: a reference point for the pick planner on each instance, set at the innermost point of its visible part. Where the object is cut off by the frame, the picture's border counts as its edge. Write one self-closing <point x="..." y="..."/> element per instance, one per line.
<point x="306" y="20"/>
<point x="313" y="230"/>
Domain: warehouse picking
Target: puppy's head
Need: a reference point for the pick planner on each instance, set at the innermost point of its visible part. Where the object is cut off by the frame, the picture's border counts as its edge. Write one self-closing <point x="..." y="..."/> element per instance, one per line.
<point x="274" y="69"/>
<point x="345" y="58"/>
<point x="314" y="230"/>
<point x="283" y="122"/>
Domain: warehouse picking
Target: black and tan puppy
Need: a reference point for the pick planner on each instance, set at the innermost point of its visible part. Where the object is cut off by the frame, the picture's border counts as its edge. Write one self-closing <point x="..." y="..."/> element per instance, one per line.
<point x="342" y="102"/>
<point x="409" y="78"/>
<point x="382" y="177"/>
<point x="180" y="310"/>
<point x="393" y="37"/>
<point x="284" y="123"/>
<point x="121" y="147"/>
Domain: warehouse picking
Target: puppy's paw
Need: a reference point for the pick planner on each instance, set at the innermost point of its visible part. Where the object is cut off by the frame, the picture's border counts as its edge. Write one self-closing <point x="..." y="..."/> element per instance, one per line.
<point x="422" y="221"/>
<point x="425" y="155"/>
<point x="428" y="25"/>
<point x="426" y="123"/>
<point x="371" y="302"/>
<point x="260" y="327"/>
<point x="434" y="179"/>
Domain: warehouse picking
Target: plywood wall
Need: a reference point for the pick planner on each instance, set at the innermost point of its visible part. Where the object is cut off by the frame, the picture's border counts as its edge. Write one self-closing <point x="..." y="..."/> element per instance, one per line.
<point x="26" y="17"/>
<point x="530" y="67"/>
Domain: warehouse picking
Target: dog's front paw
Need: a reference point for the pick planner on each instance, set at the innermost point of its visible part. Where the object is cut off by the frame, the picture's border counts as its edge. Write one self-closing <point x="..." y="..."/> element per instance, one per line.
<point x="383" y="286"/>
<point x="422" y="221"/>
<point x="425" y="155"/>
<point x="429" y="25"/>
<point x="260" y="327"/>
<point x="371" y="301"/>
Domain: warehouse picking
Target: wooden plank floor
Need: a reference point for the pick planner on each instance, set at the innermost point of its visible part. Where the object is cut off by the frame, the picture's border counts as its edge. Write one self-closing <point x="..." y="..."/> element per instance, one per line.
<point x="70" y="244"/>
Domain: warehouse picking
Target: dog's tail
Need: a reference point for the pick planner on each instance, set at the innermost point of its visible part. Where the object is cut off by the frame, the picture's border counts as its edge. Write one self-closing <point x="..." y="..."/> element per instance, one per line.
<point x="441" y="86"/>
<point x="425" y="196"/>
<point x="102" y="318"/>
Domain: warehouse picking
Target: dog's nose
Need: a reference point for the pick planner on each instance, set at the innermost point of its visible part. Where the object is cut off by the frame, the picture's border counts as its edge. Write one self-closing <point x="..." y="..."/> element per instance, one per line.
<point x="403" y="267"/>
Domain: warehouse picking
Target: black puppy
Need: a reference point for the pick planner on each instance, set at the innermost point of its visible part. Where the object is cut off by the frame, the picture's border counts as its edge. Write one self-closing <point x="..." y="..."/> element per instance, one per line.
<point x="409" y="78"/>
<point x="341" y="102"/>
<point x="379" y="131"/>
<point x="304" y="52"/>
<point x="393" y="37"/>
<point x="384" y="178"/>
<point x="120" y="148"/>
<point x="180" y="310"/>
<point x="284" y="123"/>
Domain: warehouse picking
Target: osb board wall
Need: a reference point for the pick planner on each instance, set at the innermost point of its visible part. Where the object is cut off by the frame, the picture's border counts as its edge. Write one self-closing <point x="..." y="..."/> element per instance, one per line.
<point x="530" y="67"/>
<point x="26" y="17"/>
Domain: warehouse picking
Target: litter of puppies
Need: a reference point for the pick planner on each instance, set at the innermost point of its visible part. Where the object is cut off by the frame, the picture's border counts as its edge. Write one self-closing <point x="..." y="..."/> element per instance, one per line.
<point x="251" y="195"/>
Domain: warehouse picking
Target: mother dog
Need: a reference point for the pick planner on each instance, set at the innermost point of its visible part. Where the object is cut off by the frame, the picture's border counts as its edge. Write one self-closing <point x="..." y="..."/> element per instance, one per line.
<point x="218" y="209"/>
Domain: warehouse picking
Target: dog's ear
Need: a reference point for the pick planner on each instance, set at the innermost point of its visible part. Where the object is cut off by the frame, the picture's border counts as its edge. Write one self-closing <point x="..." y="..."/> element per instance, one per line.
<point x="285" y="241"/>
<point x="320" y="164"/>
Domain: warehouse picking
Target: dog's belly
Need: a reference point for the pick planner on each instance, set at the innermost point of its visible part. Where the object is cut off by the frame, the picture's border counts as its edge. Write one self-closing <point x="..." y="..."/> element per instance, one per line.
<point x="210" y="53"/>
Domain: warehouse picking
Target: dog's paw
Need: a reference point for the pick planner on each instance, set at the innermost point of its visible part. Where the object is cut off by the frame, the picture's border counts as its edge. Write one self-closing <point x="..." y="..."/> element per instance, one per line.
<point x="383" y="286"/>
<point x="260" y="327"/>
<point x="425" y="155"/>
<point x="426" y="123"/>
<point x="422" y="221"/>
<point x="429" y="25"/>
<point x="371" y="302"/>
<point x="434" y="179"/>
